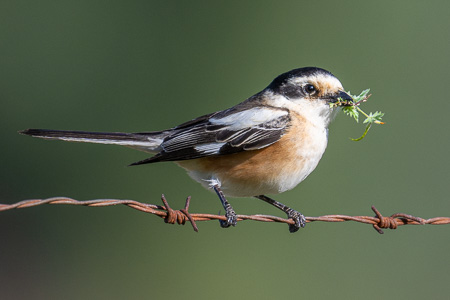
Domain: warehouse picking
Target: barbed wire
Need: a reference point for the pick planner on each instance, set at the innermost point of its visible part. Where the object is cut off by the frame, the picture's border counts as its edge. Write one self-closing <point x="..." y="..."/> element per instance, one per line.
<point x="181" y="216"/>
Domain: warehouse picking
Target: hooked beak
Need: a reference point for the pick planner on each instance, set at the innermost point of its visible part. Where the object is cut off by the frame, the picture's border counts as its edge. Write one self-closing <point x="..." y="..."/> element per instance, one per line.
<point x="342" y="96"/>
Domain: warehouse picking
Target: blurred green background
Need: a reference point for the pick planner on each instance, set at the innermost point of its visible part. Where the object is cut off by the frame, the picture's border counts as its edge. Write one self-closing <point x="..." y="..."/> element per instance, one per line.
<point x="149" y="65"/>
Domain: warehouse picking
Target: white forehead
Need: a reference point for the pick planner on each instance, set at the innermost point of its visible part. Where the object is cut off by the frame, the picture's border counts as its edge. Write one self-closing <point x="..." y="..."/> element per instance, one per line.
<point x="323" y="81"/>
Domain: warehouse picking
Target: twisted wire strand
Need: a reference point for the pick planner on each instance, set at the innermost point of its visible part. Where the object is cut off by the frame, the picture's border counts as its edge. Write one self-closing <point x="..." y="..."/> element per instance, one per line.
<point x="172" y="216"/>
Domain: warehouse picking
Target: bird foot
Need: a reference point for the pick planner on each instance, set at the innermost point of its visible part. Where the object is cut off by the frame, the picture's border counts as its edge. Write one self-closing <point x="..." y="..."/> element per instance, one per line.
<point x="299" y="219"/>
<point x="231" y="216"/>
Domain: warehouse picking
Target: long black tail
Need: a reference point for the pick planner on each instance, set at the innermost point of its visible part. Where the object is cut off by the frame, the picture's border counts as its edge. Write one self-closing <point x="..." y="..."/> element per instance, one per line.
<point x="148" y="142"/>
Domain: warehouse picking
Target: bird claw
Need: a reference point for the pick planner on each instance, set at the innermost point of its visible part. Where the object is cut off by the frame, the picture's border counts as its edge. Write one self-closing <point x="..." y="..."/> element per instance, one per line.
<point x="231" y="216"/>
<point x="299" y="219"/>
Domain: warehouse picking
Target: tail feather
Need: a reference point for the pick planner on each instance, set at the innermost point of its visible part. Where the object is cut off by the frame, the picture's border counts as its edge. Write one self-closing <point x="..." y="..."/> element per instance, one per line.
<point x="148" y="142"/>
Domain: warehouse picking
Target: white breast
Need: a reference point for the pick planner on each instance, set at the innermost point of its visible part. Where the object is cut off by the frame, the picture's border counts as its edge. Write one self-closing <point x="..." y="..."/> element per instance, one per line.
<point x="309" y="154"/>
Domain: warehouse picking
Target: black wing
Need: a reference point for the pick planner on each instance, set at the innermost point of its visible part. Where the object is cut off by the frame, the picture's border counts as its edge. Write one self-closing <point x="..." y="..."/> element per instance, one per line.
<point x="221" y="134"/>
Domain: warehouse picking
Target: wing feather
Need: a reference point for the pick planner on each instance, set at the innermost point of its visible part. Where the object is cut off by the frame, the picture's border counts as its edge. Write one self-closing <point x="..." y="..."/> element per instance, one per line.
<point x="224" y="133"/>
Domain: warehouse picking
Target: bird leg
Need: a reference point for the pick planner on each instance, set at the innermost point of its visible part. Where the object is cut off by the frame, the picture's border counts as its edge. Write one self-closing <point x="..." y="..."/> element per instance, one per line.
<point x="298" y="218"/>
<point x="230" y="214"/>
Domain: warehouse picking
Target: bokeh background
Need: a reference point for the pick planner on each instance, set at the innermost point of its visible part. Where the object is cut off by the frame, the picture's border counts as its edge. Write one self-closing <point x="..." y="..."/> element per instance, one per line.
<point x="149" y="65"/>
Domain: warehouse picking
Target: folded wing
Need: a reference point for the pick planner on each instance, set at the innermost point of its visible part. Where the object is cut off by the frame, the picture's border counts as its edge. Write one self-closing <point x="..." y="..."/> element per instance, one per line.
<point x="227" y="132"/>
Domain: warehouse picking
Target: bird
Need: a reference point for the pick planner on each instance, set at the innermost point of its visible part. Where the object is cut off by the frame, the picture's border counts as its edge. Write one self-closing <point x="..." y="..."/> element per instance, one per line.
<point x="267" y="144"/>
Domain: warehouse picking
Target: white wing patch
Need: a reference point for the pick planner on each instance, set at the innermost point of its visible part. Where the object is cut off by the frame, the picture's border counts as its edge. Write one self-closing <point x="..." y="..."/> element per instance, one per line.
<point x="248" y="118"/>
<point x="211" y="148"/>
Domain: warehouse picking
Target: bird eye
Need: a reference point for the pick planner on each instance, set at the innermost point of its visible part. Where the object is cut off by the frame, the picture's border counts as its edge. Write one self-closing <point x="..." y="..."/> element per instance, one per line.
<point x="309" y="88"/>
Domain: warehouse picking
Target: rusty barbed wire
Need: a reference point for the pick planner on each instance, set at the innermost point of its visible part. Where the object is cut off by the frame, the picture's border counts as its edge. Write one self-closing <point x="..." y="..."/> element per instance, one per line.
<point x="181" y="216"/>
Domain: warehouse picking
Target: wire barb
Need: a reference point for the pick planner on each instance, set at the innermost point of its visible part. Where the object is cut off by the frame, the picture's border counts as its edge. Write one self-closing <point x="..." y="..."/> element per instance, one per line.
<point x="180" y="216"/>
<point x="172" y="216"/>
<point x="391" y="222"/>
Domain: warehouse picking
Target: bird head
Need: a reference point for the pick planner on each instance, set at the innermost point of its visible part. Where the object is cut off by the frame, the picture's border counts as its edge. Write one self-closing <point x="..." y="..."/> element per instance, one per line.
<point x="308" y="92"/>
